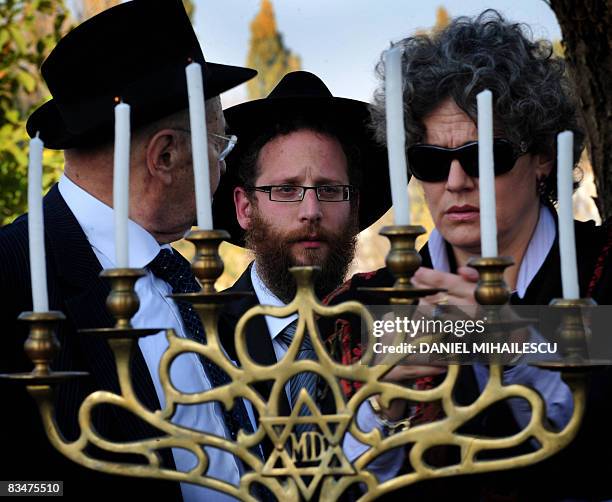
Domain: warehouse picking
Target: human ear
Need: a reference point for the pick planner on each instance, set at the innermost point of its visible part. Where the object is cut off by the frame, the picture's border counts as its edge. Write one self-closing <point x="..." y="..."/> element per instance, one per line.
<point x="164" y="155"/>
<point x="544" y="166"/>
<point x="244" y="208"/>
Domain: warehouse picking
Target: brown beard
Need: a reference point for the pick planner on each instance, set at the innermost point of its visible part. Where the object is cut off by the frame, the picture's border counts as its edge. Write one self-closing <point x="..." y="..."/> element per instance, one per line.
<point x="273" y="255"/>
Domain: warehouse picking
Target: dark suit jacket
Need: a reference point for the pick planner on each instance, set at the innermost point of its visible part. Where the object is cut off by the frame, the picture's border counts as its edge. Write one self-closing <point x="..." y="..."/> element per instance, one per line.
<point x="258" y="340"/>
<point x="77" y="291"/>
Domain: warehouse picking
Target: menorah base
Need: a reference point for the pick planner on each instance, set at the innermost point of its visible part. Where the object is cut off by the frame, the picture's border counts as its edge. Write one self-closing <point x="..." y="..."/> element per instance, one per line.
<point x="55" y="377"/>
<point x="121" y="333"/>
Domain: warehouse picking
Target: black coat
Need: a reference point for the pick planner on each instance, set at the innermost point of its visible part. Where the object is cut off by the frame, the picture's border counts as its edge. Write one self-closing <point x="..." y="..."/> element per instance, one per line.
<point x="581" y="471"/>
<point x="258" y="340"/>
<point x="77" y="291"/>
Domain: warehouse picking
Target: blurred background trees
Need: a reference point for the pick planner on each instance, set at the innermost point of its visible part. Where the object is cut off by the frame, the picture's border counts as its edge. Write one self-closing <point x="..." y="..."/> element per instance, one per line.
<point x="28" y="31"/>
<point x="267" y="53"/>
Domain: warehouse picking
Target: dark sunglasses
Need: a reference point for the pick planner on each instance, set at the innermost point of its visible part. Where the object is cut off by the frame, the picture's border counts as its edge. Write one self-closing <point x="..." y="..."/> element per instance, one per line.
<point x="432" y="163"/>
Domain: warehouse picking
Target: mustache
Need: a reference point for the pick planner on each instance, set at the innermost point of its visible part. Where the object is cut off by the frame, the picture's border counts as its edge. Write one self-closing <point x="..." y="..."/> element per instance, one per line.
<point x="274" y="257"/>
<point x="313" y="232"/>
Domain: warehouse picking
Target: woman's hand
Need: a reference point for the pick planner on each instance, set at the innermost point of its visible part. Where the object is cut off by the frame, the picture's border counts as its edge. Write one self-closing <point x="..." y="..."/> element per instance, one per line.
<point x="460" y="291"/>
<point x="460" y="286"/>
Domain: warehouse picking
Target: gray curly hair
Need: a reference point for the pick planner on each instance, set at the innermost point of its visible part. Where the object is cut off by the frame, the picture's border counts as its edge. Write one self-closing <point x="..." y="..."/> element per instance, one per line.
<point x="532" y="97"/>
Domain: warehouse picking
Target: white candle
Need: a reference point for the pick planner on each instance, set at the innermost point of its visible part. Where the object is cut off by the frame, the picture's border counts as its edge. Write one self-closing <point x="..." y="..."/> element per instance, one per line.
<point x="36" y="232"/>
<point x="567" y="241"/>
<point x="486" y="175"/>
<point x="396" y="136"/>
<point x="199" y="145"/>
<point x="121" y="183"/>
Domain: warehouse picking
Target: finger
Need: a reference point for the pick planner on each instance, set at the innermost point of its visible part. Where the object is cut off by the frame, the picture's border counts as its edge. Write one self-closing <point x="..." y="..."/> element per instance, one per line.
<point x="430" y="278"/>
<point x="426" y="301"/>
<point x="468" y="273"/>
<point x="461" y="294"/>
<point x="438" y="298"/>
<point x="408" y="372"/>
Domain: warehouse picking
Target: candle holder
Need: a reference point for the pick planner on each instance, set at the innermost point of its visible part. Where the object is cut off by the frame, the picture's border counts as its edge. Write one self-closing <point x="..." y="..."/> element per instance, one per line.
<point x="492" y="292"/>
<point x="491" y="288"/>
<point x="41" y="347"/>
<point x="207" y="265"/>
<point x="122" y="302"/>
<point x="403" y="261"/>
<point x="573" y="337"/>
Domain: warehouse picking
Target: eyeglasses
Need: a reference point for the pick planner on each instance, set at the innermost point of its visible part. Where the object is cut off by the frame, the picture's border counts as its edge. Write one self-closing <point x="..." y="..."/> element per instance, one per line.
<point x="432" y="163"/>
<point x="224" y="144"/>
<point x="296" y="193"/>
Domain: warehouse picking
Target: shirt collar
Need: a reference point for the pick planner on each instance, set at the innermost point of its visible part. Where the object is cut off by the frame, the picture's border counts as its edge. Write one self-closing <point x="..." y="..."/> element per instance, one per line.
<point x="539" y="246"/>
<point x="276" y="325"/>
<point x="97" y="221"/>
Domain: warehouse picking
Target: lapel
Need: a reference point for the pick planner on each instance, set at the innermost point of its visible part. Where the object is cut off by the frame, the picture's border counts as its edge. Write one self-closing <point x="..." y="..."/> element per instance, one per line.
<point x="258" y="339"/>
<point x="546" y="285"/>
<point x="83" y="295"/>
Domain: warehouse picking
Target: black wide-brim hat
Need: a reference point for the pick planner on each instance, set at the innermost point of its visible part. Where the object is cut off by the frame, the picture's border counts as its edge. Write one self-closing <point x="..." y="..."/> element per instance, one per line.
<point x="299" y="94"/>
<point x="136" y="52"/>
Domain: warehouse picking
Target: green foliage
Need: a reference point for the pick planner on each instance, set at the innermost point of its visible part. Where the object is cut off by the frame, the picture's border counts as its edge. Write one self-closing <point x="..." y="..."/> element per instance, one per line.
<point x="28" y="31"/>
<point x="268" y="54"/>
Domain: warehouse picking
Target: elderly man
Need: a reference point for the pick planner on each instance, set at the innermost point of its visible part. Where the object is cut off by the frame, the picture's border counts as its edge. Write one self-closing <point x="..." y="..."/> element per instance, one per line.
<point x="532" y="103"/>
<point x="137" y="52"/>
<point x="306" y="178"/>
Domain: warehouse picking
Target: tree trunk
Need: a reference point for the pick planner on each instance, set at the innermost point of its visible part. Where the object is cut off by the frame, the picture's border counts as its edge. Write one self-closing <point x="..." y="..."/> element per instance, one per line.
<point x="587" y="38"/>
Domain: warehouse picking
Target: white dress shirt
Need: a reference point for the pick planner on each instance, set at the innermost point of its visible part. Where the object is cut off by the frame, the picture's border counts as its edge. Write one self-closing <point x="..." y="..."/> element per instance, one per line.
<point x="556" y="393"/>
<point x="158" y="311"/>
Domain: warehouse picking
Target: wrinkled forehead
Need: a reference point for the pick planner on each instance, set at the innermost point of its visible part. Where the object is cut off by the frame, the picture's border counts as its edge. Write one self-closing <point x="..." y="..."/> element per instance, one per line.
<point x="302" y="155"/>
<point x="449" y="126"/>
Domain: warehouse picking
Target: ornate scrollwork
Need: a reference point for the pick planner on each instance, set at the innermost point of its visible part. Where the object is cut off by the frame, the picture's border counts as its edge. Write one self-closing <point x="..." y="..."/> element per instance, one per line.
<point x="314" y="463"/>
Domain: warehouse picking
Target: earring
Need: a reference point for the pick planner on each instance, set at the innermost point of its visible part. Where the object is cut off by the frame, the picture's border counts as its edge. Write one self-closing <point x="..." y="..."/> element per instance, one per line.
<point x="541" y="186"/>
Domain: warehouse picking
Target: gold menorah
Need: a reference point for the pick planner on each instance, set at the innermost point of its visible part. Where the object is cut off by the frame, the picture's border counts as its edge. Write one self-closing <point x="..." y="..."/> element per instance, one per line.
<point x="313" y="463"/>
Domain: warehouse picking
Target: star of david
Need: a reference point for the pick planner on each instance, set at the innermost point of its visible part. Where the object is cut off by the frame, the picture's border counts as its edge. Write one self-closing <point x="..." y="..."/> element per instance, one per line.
<point x="331" y="461"/>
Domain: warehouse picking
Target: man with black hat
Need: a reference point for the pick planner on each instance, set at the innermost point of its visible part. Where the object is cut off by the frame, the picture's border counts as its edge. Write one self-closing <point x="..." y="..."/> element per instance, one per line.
<point x="305" y="179"/>
<point x="119" y="54"/>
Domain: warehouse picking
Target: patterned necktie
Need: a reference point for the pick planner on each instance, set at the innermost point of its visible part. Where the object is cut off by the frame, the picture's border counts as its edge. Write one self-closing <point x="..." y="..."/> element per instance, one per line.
<point x="304" y="380"/>
<point x="176" y="271"/>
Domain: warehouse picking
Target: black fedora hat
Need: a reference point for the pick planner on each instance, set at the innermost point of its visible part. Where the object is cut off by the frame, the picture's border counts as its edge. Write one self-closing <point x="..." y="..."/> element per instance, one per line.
<point x="136" y="51"/>
<point x="301" y="93"/>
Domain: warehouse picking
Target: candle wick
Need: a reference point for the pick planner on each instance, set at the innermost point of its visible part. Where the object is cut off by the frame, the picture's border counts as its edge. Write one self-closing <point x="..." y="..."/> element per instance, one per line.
<point x="37" y="134"/>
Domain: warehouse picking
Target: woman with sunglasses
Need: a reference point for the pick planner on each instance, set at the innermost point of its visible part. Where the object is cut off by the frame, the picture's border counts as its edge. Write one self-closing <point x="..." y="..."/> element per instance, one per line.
<point x="532" y="101"/>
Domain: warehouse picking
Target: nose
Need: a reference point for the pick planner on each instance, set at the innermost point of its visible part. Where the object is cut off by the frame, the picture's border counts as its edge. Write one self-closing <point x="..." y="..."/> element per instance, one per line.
<point x="458" y="180"/>
<point x="310" y="208"/>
